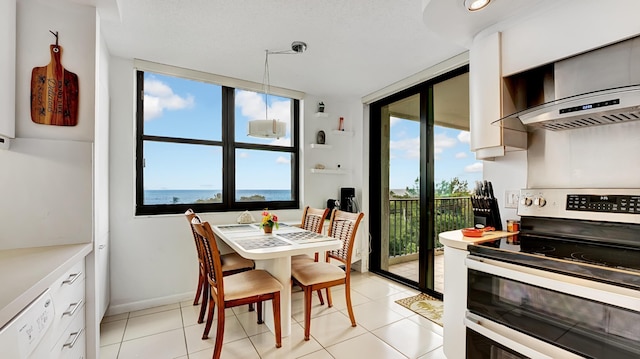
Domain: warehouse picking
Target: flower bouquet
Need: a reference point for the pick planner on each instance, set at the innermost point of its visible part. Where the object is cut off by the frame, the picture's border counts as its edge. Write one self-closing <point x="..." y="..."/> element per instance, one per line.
<point x="269" y="220"/>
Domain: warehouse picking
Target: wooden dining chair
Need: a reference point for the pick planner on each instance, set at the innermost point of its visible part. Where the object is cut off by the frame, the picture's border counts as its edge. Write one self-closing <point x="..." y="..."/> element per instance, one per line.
<point x="313" y="276"/>
<point x="253" y="286"/>
<point x="231" y="263"/>
<point x="312" y="220"/>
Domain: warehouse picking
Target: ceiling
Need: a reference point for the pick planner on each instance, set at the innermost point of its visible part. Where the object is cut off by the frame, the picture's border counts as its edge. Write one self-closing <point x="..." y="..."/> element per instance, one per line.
<point x="354" y="47"/>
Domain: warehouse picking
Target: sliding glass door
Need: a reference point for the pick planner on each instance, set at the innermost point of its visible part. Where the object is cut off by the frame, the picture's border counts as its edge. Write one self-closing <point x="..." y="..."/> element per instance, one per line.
<point x="408" y="132"/>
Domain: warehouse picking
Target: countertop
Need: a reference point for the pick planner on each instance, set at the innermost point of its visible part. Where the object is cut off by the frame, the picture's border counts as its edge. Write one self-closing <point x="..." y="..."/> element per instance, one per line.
<point x="26" y="273"/>
<point x="455" y="239"/>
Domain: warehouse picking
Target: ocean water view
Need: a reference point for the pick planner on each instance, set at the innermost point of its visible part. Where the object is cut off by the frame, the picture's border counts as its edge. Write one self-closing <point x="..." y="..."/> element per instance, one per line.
<point x="174" y="196"/>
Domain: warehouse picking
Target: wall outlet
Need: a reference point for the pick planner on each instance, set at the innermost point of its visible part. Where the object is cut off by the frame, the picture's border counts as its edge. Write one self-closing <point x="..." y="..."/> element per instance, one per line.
<point x="511" y="199"/>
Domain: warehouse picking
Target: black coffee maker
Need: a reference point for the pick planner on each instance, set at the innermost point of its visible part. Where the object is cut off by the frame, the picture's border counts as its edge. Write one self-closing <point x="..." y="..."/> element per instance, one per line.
<point x="348" y="199"/>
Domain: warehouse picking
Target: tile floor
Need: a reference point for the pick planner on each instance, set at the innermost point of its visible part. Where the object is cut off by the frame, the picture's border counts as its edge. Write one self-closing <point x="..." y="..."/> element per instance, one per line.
<point x="410" y="270"/>
<point x="385" y="329"/>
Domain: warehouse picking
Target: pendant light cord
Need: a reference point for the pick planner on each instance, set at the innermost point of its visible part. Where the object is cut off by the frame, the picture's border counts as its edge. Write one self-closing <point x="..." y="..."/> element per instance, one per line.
<point x="266" y="82"/>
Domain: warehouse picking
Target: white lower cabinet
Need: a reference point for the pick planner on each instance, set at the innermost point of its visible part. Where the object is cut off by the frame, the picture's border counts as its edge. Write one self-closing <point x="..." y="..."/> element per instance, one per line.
<point x="72" y="343"/>
<point x="65" y="339"/>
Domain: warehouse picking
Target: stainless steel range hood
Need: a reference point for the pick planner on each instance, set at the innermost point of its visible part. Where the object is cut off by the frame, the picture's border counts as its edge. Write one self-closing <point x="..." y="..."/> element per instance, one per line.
<point x="605" y="107"/>
<point x="599" y="87"/>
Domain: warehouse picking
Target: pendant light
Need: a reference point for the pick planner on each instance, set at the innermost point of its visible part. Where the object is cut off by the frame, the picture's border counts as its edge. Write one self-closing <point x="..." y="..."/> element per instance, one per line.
<point x="272" y="128"/>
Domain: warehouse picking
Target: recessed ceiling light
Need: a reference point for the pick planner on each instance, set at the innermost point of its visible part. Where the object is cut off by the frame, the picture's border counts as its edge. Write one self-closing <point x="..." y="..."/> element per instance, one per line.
<point x="475" y="5"/>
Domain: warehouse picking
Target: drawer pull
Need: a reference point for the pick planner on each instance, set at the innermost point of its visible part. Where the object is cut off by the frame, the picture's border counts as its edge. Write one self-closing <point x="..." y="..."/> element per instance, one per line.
<point x="72" y="308"/>
<point x="72" y="278"/>
<point x="73" y="341"/>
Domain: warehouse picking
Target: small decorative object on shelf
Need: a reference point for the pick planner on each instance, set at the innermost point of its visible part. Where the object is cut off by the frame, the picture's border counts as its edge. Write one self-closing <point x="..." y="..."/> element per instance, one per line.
<point x="319" y="166"/>
<point x="341" y="124"/>
<point x="320" y="106"/>
<point x="320" y="137"/>
<point x="269" y="220"/>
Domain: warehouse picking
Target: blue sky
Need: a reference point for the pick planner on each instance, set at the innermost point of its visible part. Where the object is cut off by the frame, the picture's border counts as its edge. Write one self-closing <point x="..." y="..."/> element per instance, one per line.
<point x="191" y="109"/>
<point x="452" y="155"/>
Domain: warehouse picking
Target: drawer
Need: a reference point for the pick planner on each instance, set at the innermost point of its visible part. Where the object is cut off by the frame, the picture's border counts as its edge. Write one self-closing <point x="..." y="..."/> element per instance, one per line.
<point x="72" y="343"/>
<point x="68" y="294"/>
<point x="67" y="303"/>
<point x="69" y="279"/>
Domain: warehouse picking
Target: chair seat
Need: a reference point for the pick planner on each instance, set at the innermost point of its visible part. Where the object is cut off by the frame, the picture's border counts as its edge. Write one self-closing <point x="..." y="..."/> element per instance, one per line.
<point x="301" y="258"/>
<point x="248" y="284"/>
<point x="316" y="272"/>
<point x="234" y="262"/>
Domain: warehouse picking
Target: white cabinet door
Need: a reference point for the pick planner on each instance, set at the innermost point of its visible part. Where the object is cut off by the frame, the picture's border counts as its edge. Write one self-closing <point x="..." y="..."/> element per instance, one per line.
<point x="485" y="101"/>
<point x="8" y="68"/>
<point x="484" y="92"/>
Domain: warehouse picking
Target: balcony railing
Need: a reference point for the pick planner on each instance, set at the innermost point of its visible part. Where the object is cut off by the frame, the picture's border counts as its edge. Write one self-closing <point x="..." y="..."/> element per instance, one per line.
<point x="404" y="224"/>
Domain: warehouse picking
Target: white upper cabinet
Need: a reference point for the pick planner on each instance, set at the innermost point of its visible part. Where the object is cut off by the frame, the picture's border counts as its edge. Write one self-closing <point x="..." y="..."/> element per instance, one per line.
<point x="485" y="101"/>
<point x="8" y="68"/>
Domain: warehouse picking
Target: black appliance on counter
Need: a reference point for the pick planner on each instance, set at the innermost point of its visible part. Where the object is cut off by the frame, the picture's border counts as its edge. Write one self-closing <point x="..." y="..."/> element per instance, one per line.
<point x="485" y="206"/>
<point x="567" y="285"/>
<point x="348" y="199"/>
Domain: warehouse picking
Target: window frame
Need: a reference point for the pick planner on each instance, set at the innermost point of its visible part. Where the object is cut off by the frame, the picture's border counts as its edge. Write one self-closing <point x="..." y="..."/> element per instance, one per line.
<point x="229" y="147"/>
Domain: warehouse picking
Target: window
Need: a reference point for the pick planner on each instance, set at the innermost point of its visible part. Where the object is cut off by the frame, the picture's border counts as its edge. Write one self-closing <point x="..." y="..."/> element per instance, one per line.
<point x="193" y="150"/>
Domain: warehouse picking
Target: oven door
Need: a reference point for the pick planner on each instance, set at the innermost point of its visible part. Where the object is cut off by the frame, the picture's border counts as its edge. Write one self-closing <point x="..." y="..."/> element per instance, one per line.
<point x="545" y="314"/>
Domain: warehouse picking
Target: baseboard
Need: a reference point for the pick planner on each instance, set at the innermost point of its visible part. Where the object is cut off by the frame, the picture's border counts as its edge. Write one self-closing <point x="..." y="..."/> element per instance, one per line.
<point x="148" y="303"/>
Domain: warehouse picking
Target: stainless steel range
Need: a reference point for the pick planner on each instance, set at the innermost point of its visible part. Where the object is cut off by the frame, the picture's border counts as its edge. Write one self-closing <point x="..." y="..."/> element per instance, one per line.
<point x="567" y="285"/>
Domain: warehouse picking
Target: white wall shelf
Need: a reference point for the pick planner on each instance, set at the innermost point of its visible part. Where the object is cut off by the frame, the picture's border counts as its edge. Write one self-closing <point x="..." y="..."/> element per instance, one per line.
<point x="342" y="133"/>
<point x="322" y="114"/>
<point x="328" y="171"/>
<point x="319" y="146"/>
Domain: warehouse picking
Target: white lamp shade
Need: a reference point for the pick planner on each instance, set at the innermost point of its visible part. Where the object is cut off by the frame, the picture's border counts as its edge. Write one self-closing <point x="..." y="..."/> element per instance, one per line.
<point x="267" y="128"/>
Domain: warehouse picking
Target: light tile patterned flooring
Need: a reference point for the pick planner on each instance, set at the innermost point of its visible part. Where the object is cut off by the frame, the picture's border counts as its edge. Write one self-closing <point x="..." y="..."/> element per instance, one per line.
<point x="385" y="329"/>
<point x="409" y="270"/>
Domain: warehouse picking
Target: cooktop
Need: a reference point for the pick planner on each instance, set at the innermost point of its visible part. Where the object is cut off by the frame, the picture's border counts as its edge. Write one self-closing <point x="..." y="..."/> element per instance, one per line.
<point x="613" y="264"/>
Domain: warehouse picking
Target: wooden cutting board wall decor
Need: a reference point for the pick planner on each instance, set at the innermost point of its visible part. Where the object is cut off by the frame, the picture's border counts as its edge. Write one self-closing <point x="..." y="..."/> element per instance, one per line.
<point x="54" y="92"/>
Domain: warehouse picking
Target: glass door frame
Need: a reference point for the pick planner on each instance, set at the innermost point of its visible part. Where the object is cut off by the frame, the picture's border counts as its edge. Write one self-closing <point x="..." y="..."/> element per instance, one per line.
<point x="427" y="186"/>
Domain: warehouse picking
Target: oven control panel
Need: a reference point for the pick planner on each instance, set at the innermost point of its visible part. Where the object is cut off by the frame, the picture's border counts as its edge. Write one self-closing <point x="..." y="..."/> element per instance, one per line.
<point x="599" y="204"/>
<point x="603" y="203"/>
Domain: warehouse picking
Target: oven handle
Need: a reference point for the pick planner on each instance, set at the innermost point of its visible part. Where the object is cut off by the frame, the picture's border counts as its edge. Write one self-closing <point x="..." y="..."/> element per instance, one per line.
<point x="514" y="340"/>
<point x="605" y="293"/>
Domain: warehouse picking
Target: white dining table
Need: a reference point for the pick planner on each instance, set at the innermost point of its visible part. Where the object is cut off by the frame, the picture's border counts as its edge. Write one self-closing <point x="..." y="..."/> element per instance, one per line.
<point x="272" y="252"/>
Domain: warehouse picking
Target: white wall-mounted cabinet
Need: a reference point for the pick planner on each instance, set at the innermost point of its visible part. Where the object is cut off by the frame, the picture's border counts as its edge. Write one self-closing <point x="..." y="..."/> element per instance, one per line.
<point x="485" y="101"/>
<point x="7" y="69"/>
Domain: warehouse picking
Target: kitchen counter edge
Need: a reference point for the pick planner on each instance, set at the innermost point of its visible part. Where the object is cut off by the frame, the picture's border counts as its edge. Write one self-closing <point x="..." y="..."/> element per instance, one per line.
<point x="25" y="273"/>
<point x="455" y="239"/>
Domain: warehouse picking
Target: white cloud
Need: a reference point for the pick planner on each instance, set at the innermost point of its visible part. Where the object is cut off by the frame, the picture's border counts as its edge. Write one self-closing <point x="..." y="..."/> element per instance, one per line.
<point x="243" y="154"/>
<point x="282" y="160"/>
<point x="409" y="148"/>
<point x="475" y="167"/>
<point x="464" y="137"/>
<point x="442" y="142"/>
<point x="461" y="155"/>
<point x="158" y="97"/>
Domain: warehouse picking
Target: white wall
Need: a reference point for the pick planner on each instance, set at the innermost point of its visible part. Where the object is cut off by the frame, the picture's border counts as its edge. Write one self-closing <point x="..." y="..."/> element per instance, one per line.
<point x="153" y="258"/>
<point x="46" y="181"/>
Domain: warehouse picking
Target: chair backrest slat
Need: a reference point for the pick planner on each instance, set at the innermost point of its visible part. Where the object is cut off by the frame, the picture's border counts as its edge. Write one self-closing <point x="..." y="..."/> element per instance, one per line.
<point x="344" y="226"/>
<point x="313" y="219"/>
<point x="213" y="263"/>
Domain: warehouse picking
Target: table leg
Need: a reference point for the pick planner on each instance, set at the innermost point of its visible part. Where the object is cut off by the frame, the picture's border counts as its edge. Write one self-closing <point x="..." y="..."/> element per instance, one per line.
<point x="280" y="268"/>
